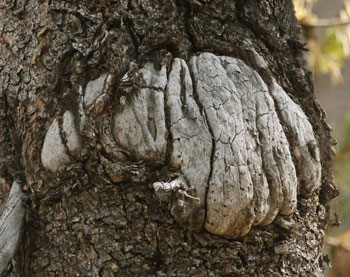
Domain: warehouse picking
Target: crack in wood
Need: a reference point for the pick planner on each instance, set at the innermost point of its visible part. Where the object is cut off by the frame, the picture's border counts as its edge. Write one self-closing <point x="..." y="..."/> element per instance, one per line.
<point x="225" y="129"/>
<point x="11" y="226"/>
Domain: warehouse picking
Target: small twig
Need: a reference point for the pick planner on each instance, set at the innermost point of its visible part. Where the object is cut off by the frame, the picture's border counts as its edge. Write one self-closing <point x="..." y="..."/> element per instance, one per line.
<point x="190" y="196"/>
<point x="326" y="22"/>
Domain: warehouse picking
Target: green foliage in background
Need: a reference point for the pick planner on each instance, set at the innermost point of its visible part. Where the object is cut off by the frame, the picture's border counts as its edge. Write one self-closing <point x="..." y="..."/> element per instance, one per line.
<point x="328" y="41"/>
<point x="342" y="177"/>
<point x="344" y="143"/>
<point x="326" y="54"/>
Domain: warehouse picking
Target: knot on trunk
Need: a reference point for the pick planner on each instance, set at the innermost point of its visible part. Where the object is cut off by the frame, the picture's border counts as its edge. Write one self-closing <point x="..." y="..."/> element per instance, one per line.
<point x="245" y="149"/>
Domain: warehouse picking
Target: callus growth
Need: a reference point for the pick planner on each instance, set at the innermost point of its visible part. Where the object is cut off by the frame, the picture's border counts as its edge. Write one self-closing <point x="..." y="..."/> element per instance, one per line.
<point x="216" y="123"/>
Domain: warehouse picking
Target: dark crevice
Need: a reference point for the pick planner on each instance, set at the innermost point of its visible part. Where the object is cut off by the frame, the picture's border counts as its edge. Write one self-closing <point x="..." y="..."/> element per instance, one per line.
<point x="243" y="258"/>
<point x="129" y="26"/>
<point x="110" y="148"/>
<point x="158" y="258"/>
<point x="133" y="37"/>
<point x="169" y="146"/>
<point x="185" y="9"/>
<point x="182" y="89"/>
<point x="288" y="134"/>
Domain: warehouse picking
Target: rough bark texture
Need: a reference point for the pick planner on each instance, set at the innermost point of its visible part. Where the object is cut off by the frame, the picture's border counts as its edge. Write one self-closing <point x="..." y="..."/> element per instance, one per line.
<point x="163" y="138"/>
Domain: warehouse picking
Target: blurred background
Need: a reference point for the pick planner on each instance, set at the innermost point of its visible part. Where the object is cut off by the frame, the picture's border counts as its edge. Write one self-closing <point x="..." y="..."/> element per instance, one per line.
<point x="326" y="29"/>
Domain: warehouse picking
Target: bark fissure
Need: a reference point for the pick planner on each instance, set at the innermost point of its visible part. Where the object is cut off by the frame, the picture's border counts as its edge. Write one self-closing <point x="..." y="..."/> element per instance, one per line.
<point x="184" y="8"/>
<point x="261" y="184"/>
<point x="100" y="215"/>
<point x="213" y="145"/>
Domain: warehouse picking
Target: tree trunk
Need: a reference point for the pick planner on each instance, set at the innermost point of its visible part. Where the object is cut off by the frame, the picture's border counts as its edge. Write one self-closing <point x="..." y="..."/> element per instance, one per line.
<point x="162" y="138"/>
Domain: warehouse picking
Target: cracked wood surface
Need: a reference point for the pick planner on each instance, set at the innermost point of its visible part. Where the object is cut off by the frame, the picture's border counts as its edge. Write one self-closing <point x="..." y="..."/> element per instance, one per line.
<point x="112" y="196"/>
<point x="226" y="138"/>
<point x="11" y="226"/>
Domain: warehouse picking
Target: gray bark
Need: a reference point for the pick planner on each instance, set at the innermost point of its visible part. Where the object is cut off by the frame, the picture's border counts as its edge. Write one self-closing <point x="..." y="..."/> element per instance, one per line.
<point x="11" y="226"/>
<point x="163" y="138"/>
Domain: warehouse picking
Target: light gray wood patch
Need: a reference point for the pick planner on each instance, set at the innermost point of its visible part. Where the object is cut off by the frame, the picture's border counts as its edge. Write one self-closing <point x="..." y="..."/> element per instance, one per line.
<point x="305" y="148"/>
<point x="240" y="149"/>
<point x="190" y="137"/>
<point x="11" y="226"/>
<point x="140" y="126"/>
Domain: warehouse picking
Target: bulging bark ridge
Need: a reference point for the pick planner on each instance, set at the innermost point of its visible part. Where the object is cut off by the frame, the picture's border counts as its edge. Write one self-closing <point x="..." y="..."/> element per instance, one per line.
<point x="162" y="138"/>
<point x="225" y="135"/>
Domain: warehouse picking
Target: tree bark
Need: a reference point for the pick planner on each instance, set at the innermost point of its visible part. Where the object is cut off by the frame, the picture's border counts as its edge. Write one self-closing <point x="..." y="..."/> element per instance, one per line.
<point x="162" y="138"/>
<point x="11" y="226"/>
